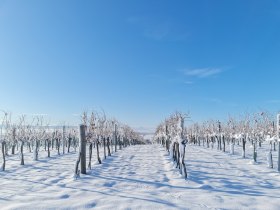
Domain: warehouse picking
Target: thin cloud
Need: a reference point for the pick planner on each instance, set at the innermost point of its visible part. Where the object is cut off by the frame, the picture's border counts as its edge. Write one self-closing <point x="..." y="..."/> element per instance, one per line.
<point x="203" y="73"/>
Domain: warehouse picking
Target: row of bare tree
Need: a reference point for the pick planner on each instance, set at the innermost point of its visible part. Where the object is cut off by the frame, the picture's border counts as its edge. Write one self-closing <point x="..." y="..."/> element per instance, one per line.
<point x="102" y="132"/>
<point x="254" y="129"/>
<point x="35" y="135"/>
<point x="171" y="134"/>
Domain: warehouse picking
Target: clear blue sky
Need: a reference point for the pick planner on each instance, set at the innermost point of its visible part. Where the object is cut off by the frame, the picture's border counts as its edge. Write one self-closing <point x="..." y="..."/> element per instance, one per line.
<point x="139" y="60"/>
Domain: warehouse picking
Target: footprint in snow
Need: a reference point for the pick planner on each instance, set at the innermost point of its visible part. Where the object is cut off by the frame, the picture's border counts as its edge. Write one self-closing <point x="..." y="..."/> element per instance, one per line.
<point x="109" y="184"/>
<point x="53" y="181"/>
<point x="90" y="205"/>
<point x="64" y="196"/>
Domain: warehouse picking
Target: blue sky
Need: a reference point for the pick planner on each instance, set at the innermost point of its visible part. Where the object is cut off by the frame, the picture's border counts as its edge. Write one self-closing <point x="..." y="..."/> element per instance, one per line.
<point x="139" y="60"/>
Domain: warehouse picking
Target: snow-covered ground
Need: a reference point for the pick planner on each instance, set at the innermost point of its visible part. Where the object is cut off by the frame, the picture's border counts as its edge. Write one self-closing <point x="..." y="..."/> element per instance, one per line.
<point x="141" y="177"/>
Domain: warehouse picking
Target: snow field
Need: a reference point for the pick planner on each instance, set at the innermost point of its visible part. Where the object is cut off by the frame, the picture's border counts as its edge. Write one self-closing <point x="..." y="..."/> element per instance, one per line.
<point x="141" y="177"/>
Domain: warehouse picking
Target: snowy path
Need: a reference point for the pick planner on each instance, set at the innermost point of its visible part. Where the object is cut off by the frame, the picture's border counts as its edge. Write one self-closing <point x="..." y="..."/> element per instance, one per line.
<point x="142" y="177"/>
<point x="136" y="177"/>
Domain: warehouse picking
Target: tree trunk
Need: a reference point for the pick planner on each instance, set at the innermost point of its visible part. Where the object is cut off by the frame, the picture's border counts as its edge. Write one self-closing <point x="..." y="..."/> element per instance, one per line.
<point x="90" y="155"/>
<point x="53" y="143"/>
<point x="255" y="153"/>
<point x="174" y="151"/>
<point x="21" y="153"/>
<point x="178" y="156"/>
<point x="4" y="156"/>
<point x="167" y="145"/>
<point x="269" y="157"/>
<point x="58" y="145"/>
<point x="243" y="146"/>
<point x="35" y="150"/>
<point x="77" y="171"/>
<point x="108" y="146"/>
<point x="75" y="144"/>
<point x="112" y="148"/>
<point x="182" y="160"/>
<point x="46" y="142"/>
<point x="220" y="140"/>
<point x="120" y="145"/>
<point x="13" y="148"/>
<point x="224" y="143"/>
<point x="48" y="146"/>
<point x="97" y="150"/>
<point x="69" y="144"/>
<point x="104" y="147"/>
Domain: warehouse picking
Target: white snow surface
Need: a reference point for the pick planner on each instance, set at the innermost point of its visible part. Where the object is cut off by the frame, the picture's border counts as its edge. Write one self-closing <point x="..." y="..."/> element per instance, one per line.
<point x="141" y="177"/>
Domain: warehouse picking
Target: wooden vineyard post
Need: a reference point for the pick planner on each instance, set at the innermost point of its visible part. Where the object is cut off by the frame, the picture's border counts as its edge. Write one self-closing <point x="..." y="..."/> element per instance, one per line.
<point x="111" y="141"/>
<point x="183" y="143"/>
<point x="278" y="136"/>
<point x="3" y="153"/>
<point x="167" y="139"/>
<point x="63" y="140"/>
<point x="115" y="137"/>
<point x="83" y="148"/>
<point x="14" y="141"/>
